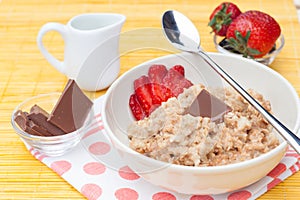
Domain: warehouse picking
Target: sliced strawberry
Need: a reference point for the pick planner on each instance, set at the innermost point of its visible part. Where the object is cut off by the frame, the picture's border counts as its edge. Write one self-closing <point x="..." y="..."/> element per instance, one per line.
<point x="184" y="83"/>
<point x="156" y="73"/>
<point x="156" y="93"/>
<point x="175" y="81"/>
<point x="143" y="80"/>
<point x="136" y="108"/>
<point x="144" y="97"/>
<point x="151" y="91"/>
<point x="159" y="93"/>
<point x="167" y="93"/>
<point x="179" y="69"/>
<point x="171" y="80"/>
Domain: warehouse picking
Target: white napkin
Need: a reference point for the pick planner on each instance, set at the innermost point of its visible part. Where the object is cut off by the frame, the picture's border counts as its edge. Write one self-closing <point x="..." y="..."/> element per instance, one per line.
<point x="95" y="170"/>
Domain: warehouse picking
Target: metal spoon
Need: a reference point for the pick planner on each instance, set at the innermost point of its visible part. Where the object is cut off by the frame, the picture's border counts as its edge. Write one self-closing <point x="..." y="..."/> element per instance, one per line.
<point x="183" y="35"/>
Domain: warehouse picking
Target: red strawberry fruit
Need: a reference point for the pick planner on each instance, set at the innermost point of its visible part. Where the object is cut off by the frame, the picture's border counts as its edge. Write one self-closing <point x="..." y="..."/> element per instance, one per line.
<point x="136" y="108"/>
<point x="160" y="85"/>
<point x="253" y="33"/>
<point x="156" y="73"/>
<point x="143" y="80"/>
<point x="171" y="80"/>
<point x="156" y="93"/>
<point x="222" y="16"/>
<point x="179" y="69"/>
<point x="160" y="93"/>
<point x="143" y="93"/>
<point x="176" y="82"/>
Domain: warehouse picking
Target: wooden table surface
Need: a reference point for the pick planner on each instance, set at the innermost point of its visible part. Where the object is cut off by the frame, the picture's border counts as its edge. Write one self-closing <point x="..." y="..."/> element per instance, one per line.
<point x="25" y="73"/>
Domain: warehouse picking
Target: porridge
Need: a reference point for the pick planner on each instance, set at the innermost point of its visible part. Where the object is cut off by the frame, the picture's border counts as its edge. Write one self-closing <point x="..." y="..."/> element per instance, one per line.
<point x="173" y="134"/>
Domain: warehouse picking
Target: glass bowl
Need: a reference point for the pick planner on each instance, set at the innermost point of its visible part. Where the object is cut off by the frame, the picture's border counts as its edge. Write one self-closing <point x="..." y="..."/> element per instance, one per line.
<point x="49" y="145"/>
<point x="266" y="60"/>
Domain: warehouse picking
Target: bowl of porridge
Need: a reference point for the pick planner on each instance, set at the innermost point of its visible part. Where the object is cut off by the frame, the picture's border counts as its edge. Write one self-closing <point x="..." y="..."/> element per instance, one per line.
<point x="179" y="145"/>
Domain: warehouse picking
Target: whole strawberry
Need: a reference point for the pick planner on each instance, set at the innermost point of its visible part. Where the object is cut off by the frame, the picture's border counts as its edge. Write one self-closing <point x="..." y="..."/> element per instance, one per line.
<point x="222" y="16"/>
<point x="253" y="33"/>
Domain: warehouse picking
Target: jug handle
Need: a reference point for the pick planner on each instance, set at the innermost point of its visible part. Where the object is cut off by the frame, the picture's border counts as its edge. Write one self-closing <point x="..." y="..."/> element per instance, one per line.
<point x="51" y="26"/>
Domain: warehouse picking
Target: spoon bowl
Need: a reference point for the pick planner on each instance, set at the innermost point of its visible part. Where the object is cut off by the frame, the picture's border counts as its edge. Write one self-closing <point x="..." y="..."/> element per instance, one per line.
<point x="181" y="32"/>
<point x="183" y="35"/>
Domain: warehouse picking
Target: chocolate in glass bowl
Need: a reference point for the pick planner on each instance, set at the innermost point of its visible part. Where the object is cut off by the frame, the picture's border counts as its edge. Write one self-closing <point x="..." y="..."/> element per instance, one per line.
<point x="53" y="143"/>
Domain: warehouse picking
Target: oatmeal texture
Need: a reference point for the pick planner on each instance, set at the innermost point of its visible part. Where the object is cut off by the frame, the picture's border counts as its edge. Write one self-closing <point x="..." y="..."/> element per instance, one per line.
<point x="172" y="136"/>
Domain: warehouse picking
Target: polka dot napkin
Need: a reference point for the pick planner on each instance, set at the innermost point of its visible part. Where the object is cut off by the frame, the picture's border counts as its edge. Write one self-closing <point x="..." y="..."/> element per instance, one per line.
<point x="84" y="169"/>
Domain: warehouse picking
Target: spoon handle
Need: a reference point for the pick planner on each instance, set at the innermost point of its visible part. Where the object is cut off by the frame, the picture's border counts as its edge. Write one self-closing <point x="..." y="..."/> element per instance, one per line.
<point x="291" y="138"/>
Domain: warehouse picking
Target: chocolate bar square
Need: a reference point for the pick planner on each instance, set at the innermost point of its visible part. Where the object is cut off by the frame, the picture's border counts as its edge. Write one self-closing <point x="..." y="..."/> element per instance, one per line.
<point x="72" y="108"/>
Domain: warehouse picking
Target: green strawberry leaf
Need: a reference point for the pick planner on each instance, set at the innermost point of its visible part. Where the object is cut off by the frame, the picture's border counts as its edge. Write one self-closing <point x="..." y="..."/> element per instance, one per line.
<point x="220" y="18"/>
<point x="240" y="44"/>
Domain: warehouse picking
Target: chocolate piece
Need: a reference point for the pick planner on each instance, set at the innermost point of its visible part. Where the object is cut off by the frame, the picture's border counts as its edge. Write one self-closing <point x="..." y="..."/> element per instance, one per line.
<point x="38" y="109"/>
<point x="71" y="109"/>
<point x="36" y="123"/>
<point x="207" y="105"/>
<point x="37" y="129"/>
<point x="69" y="113"/>
<point x="40" y="120"/>
<point x="25" y="124"/>
<point x="21" y="119"/>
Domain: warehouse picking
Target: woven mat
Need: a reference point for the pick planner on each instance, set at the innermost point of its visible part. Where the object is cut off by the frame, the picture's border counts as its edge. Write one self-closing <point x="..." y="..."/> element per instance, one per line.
<point x="25" y="73"/>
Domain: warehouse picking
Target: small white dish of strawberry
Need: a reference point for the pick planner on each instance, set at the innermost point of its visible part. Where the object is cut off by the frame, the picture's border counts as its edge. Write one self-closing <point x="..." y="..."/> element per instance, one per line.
<point x="251" y="34"/>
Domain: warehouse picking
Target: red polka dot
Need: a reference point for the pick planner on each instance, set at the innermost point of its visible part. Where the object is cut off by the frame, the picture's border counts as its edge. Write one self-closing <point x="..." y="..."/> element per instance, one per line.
<point x="126" y="173"/>
<point x="163" y="196"/>
<point x="201" y="197"/>
<point x="91" y="191"/>
<point x="297" y="164"/>
<point x="126" y="193"/>
<point x="94" y="168"/>
<point x="273" y="183"/>
<point x="61" y="167"/>
<point x="293" y="169"/>
<point x="240" y="195"/>
<point x="279" y="169"/>
<point x="99" y="148"/>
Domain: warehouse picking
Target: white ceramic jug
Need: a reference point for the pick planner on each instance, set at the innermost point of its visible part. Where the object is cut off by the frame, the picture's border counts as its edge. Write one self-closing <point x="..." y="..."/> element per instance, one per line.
<point x="91" y="48"/>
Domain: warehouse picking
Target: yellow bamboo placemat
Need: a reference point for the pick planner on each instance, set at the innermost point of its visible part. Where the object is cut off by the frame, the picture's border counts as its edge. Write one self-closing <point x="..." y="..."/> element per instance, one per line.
<point x="25" y="73"/>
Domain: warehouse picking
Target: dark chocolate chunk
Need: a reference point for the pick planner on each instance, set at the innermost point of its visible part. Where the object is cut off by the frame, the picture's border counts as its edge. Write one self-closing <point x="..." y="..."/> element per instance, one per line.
<point x="37" y="129"/>
<point x="27" y="125"/>
<point x="40" y="120"/>
<point x="37" y="109"/>
<point x="207" y="105"/>
<point x="21" y="119"/>
<point x="72" y="108"/>
<point x="69" y="113"/>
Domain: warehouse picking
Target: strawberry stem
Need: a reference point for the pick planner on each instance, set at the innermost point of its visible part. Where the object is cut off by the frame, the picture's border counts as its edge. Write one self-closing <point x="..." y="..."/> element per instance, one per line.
<point x="240" y="44"/>
<point x="220" y="18"/>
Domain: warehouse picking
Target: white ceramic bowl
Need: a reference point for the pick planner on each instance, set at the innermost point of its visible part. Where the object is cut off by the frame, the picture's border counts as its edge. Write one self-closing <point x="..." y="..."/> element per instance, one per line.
<point x="202" y="180"/>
